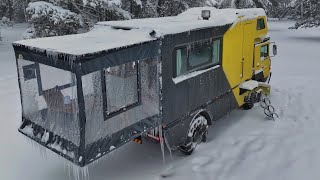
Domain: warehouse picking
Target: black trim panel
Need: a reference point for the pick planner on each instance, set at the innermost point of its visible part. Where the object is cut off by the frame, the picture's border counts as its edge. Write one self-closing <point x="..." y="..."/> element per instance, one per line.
<point x="101" y="147"/>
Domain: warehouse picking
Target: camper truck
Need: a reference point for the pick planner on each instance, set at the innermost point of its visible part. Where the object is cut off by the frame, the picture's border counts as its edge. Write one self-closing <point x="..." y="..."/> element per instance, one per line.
<point x="166" y="79"/>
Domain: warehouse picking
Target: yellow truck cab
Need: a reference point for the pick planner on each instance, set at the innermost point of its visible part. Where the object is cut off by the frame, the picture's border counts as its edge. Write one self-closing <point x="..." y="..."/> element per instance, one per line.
<point x="247" y="54"/>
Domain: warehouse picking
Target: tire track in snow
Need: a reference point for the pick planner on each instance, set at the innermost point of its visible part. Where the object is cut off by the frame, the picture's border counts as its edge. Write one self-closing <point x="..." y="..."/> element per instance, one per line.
<point x="292" y="104"/>
<point x="9" y="85"/>
<point x="248" y="149"/>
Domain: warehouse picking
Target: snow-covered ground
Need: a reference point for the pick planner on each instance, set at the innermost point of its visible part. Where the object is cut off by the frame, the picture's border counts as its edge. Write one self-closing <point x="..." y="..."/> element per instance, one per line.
<point x="243" y="145"/>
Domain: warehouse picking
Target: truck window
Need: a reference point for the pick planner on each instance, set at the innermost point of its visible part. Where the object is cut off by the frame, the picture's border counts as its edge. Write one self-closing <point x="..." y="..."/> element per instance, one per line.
<point x="121" y="87"/>
<point x="264" y="52"/>
<point x="201" y="55"/>
<point x="261" y="24"/>
<point x="216" y="51"/>
<point x="181" y="61"/>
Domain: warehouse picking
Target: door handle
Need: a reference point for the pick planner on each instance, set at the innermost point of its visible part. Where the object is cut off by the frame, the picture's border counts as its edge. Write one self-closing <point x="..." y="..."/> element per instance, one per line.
<point x="242" y="64"/>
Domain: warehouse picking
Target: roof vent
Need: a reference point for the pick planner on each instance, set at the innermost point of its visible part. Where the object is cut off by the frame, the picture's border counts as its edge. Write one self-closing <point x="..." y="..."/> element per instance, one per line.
<point x="123" y="28"/>
<point x="206" y="14"/>
<point x="153" y="33"/>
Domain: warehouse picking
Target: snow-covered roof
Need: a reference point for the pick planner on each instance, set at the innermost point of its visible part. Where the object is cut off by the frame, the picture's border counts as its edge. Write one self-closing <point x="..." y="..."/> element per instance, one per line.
<point x="98" y="39"/>
<point x="188" y="20"/>
<point x="105" y="37"/>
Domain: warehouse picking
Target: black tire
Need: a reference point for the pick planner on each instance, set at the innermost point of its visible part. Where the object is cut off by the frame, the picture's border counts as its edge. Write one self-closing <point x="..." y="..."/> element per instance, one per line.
<point x="204" y="137"/>
<point x="197" y="133"/>
<point x="249" y="101"/>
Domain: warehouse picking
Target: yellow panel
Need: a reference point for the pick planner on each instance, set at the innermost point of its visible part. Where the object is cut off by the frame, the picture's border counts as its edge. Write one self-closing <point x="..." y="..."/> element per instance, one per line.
<point x="232" y="54"/>
<point x="239" y="98"/>
<point x="249" y="30"/>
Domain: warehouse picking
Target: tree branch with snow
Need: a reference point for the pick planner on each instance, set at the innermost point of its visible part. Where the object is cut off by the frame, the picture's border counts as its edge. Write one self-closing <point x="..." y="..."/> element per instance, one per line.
<point x="50" y="20"/>
<point x="310" y="14"/>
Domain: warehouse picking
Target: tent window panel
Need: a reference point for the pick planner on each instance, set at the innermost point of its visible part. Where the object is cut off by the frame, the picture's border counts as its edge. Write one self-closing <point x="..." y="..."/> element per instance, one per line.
<point x="29" y="72"/>
<point x="121" y="87"/>
<point x="54" y="78"/>
<point x="181" y="61"/>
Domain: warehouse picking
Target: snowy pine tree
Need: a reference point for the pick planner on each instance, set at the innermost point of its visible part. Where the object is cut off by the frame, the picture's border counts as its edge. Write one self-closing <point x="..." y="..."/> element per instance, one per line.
<point x="103" y="10"/>
<point x="149" y="9"/>
<point x="200" y="3"/>
<point x="6" y="9"/>
<point x="310" y="14"/>
<point x="19" y="10"/>
<point x="212" y="3"/>
<point x="171" y="8"/>
<point x="134" y="7"/>
<point x="49" y="20"/>
<point x="3" y="8"/>
<point x="245" y="3"/>
<point x="174" y="7"/>
<point x="282" y="9"/>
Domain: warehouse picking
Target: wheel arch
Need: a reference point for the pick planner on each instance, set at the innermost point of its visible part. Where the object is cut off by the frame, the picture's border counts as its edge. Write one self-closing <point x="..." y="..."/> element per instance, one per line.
<point x="205" y="114"/>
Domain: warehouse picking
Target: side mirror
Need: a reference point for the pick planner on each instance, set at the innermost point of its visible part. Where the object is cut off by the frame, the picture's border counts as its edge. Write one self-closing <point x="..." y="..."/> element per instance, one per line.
<point x="275" y="50"/>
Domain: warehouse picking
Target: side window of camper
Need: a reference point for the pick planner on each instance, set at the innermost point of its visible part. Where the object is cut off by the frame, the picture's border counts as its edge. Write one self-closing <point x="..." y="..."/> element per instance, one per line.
<point x="216" y="51"/>
<point x="261" y="24"/>
<point x="196" y="56"/>
<point x="122" y="87"/>
<point x="199" y="56"/>
<point x="181" y="61"/>
<point x="264" y="52"/>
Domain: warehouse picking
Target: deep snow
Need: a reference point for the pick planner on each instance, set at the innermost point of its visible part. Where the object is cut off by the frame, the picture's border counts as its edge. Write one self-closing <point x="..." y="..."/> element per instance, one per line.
<point x="243" y="145"/>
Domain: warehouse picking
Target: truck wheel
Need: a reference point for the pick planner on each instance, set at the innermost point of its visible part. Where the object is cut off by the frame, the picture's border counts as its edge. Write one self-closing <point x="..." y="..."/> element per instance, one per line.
<point x="249" y="101"/>
<point x="197" y="133"/>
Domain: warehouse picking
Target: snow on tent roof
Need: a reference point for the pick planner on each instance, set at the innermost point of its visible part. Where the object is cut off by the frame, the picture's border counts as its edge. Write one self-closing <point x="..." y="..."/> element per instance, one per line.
<point x="116" y="34"/>
<point x="98" y="39"/>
